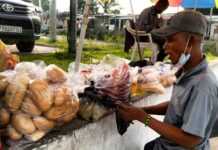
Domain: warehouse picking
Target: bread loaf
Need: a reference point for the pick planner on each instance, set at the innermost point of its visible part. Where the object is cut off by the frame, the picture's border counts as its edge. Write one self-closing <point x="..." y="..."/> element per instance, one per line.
<point x="41" y="95"/>
<point x="16" y="91"/>
<point x="4" y="117"/>
<point x="13" y="133"/>
<point x="56" y="112"/>
<point x="42" y="123"/>
<point x="23" y="123"/>
<point x="55" y="74"/>
<point x="3" y="85"/>
<point x="61" y="95"/>
<point x="71" y="111"/>
<point x="37" y="135"/>
<point x="29" y="107"/>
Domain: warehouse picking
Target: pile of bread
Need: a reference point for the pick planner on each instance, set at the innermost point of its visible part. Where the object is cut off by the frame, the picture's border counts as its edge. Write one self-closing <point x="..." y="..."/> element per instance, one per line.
<point x="152" y="79"/>
<point x="33" y="107"/>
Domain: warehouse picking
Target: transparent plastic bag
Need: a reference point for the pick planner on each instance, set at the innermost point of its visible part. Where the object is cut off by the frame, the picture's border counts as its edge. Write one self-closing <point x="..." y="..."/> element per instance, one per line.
<point x="113" y="61"/>
<point x="148" y="75"/>
<point x="116" y="83"/>
<point x="35" y="70"/>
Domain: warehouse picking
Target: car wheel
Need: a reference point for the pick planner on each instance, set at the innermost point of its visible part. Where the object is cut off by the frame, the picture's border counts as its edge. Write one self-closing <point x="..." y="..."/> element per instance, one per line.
<point x="25" y="46"/>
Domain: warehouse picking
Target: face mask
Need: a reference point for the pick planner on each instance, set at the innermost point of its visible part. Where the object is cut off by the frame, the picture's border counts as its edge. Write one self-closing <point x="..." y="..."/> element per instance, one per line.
<point x="184" y="58"/>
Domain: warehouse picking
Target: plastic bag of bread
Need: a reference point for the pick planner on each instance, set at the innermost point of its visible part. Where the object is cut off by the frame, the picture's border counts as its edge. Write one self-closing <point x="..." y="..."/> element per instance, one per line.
<point x="16" y="91"/>
<point x="42" y="123"/>
<point x="55" y="74"/>
<point x="65" y="112"/>
<point x="37" y="135"/>
<point x="152" y="88"/>
<point x="23" y="123"/>
<point x="148" y="75"/>
<point x="7" y="60"/>
<point x="41" y="95"/>
<point x="30" y="108"/>
<point x="4" y="117"/>
<point x="13" y="134"/>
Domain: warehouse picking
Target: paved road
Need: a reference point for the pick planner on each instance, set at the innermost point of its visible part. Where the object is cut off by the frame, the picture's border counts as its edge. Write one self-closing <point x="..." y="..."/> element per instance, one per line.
<point x="37" y="49"/>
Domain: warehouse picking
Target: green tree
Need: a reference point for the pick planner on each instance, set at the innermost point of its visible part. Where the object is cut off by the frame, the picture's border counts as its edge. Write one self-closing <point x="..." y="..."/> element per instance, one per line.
<point x="93" y="7"/>
<point x="108" y="5"/>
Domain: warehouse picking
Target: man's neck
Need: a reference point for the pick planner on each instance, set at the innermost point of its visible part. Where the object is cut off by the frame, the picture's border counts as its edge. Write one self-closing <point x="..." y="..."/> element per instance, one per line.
<point x="193" y="62"/>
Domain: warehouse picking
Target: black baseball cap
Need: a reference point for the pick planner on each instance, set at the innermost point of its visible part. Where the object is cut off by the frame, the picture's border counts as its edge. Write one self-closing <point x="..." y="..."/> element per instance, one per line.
<point x="185" y="21"/>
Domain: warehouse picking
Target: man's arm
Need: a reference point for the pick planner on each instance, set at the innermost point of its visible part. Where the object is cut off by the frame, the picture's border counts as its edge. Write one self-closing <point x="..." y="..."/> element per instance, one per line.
<point x="172" y="133"/>
<point x="159" y="109"/>
<point x="166" y="130"/>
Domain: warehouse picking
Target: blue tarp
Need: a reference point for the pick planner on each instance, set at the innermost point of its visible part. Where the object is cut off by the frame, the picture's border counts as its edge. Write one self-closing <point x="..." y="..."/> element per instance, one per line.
<point x="198" y="3"/>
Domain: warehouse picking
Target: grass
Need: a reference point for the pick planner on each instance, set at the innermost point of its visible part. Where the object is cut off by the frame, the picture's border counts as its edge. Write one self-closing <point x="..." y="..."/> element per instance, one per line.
<point x="48" y="59"/>
<point x="93" y="52"/>
<point x="60" y="43"/>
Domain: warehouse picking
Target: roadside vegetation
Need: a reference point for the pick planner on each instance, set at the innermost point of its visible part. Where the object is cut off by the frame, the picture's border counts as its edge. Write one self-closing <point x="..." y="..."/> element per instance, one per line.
<point x="94" y="51"/>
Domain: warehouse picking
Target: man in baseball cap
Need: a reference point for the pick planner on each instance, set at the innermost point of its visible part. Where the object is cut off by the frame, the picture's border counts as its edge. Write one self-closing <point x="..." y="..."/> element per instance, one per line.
<point x="185" y="21"/>
<point x="190" y="113"/>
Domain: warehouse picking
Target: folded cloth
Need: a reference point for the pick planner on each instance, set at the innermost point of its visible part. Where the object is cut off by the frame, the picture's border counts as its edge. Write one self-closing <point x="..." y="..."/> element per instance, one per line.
<point x="122" y="125"/>
<point x="92" y="94"/>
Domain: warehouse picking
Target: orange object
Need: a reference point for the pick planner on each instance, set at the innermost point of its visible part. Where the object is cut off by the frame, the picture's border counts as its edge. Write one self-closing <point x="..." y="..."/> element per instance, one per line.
<point x="7" y="60"/>
<point x="175" y="3"/>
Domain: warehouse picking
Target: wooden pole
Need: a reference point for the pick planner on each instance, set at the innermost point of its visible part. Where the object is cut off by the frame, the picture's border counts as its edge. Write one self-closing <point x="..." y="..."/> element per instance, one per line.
<point x="82" y="35"/>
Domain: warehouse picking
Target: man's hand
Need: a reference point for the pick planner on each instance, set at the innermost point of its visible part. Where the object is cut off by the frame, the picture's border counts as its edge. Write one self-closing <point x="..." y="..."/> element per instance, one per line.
<point x="130" y="113"/>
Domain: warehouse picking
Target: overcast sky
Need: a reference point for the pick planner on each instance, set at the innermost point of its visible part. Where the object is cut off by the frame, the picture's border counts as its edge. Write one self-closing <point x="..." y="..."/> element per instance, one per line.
<point x="139" y="5"/>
